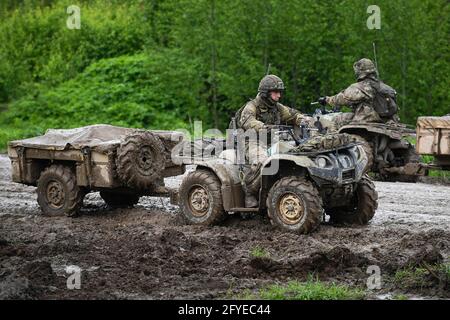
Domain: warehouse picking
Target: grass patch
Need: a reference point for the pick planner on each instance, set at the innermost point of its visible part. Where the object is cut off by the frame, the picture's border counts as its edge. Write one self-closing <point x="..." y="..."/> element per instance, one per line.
<point x="411" y="277"/>
<point x="400" y="297"/>
<point x="422" y="276"/>
<point x="312" y="289"/>
<point x="259" y="252"/>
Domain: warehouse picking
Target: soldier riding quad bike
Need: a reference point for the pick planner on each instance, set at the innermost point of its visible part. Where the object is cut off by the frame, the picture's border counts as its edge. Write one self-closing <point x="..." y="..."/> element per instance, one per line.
<point x="390" y="155"/>
<point x="374" y="122"/>
<point x="316" y="175"/>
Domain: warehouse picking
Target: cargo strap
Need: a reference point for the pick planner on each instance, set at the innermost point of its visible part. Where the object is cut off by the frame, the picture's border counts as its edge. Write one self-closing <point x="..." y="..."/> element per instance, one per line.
<point x="86" y="151"/>
<point x="20" y="154"/>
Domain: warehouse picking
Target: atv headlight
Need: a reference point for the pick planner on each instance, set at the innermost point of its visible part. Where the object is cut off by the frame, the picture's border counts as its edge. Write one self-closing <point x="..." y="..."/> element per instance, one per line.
<point x="321" y="162"/>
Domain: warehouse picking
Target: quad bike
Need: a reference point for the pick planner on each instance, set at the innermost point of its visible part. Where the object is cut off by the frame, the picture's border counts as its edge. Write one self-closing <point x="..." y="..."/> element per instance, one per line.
<point x="390" y="156"/>
<point x="316" y="176"/>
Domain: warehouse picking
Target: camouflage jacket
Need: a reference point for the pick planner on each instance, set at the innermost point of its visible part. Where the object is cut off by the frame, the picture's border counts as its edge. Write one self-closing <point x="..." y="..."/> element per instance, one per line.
<point x="361" y="92"/>
<point x="256" y="113"/>
<point x="359" y="96"/>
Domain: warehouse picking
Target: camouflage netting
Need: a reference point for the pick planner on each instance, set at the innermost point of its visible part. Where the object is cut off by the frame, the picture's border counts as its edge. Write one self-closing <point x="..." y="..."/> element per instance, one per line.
<point x="325" y="142"/>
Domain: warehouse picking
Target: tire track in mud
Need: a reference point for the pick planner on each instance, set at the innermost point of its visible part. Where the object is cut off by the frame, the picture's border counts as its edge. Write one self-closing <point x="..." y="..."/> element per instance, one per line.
<point x="147" y="252"/>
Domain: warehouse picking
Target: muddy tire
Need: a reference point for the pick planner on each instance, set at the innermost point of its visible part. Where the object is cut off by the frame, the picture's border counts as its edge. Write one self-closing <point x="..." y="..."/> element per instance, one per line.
<point x="140" y="160"/>
<point x="294" y="204"/>
<point x="367" y="146"/>
<point x="201" y="198"/>
<point x="364" y="206"/>
<point x="409" y="156"/>
<point x="58" y="192"/>
<point x="119" y="199"/>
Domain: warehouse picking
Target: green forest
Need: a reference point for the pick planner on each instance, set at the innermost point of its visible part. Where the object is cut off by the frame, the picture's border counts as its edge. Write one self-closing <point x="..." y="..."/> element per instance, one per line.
<point x="162" y="64"/>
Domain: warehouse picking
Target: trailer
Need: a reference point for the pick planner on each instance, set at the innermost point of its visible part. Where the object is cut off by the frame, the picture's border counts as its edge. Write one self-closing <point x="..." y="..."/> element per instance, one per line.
<point x="433" y="138"/>
<point x="122" y="163"/>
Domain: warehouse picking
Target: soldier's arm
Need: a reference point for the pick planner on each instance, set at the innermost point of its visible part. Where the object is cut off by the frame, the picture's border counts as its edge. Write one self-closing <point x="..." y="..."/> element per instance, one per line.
<point x="350" y="96"/>
<point x="290" y="115"/>
<point x="248" y="118"/>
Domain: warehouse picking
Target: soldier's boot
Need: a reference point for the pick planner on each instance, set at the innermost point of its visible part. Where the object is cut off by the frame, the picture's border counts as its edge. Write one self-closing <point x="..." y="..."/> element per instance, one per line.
<point x="250" y="201"/>
<point x="159" y="186"/>
<point x="252" y="185"/>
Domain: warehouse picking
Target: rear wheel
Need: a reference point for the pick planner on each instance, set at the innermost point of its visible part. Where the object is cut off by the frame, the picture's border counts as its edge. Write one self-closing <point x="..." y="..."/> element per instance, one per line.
<point x="364" y="205"/>
<point x="201" y="198"/>
<point x="408" y="155"/>
<point x="58" y="192"/>
<point x="294" y="204"/>
<point x="119" y="199"/>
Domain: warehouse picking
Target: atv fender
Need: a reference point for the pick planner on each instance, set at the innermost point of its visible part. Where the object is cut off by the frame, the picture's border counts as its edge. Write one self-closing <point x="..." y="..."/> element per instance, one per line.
<point x="378" y="129"/>
<point x="228" y="174"/>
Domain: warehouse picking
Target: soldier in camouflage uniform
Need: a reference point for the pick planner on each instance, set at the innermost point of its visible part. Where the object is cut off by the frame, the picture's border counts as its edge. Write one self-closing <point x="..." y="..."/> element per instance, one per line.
<point x="256" y="115"/>
<point x="359" y="96"/>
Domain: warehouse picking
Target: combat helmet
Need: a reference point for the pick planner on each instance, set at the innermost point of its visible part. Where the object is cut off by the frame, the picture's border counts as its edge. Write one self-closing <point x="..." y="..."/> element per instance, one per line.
<point x="364" y="68"/>
<point x="270" y="83"/>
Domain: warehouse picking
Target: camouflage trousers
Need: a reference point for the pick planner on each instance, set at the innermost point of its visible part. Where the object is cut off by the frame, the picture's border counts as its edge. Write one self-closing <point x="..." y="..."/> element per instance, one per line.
<point x="255" y="155"/>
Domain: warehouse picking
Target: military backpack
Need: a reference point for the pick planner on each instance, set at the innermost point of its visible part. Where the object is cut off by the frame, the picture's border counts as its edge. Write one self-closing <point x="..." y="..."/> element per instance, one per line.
<point x="384" y="101"/>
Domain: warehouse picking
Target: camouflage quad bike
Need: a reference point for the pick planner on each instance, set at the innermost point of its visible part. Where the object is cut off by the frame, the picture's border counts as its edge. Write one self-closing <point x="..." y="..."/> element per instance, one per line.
<point x="122" y="163"/>
<point x="323" y="174"/>
<point x="390" y="156"/>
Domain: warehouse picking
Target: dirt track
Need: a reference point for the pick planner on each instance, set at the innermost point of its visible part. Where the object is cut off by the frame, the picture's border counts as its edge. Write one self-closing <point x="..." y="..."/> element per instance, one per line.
<point x="146" y="252"/>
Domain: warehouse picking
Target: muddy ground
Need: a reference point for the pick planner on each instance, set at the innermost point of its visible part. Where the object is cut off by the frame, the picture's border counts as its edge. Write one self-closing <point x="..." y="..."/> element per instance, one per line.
<point x="147" y="253"/>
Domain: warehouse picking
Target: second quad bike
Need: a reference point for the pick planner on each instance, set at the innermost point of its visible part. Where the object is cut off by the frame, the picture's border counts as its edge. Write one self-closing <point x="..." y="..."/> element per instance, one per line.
<point x="316" y="176"/>
<point x="390" y="155"/>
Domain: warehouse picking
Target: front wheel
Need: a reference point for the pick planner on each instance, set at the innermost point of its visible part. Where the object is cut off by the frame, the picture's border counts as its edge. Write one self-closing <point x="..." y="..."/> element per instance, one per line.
<point x="294" y="204"/>
<point x="364" y="205"/>
<point x="201" y="198"/>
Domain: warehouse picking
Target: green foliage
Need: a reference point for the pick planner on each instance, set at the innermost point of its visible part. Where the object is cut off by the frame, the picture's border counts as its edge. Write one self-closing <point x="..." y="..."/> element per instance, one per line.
<point x="9" y="133"/>
<point x="313" y="289"/>
<point x="37" y="49"/>
<point x="134" y="91"/>
<point x="259" y="252"/>
<point x="215" y="52"/>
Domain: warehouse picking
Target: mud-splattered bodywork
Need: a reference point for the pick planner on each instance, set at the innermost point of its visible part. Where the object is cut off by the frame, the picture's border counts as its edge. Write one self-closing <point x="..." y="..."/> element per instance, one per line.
<point x="333" y="171"/>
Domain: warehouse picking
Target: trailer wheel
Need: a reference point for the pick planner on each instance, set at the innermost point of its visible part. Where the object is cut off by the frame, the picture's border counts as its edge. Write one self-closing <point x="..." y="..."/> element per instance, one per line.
<point x="140" y="160"/>
<point x="58" y="192"/>
<point x="119" y="199"/>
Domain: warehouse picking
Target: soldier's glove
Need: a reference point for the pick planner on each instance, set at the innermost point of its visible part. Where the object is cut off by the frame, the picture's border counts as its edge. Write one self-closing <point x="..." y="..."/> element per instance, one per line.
<point x="303" y="121"/>
<point x="322" y="101"/>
